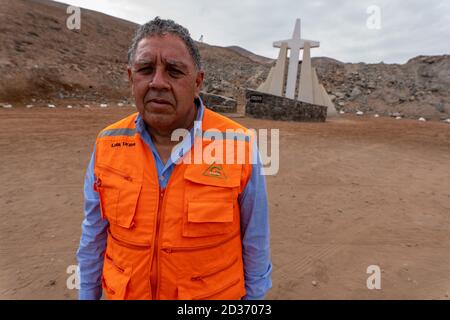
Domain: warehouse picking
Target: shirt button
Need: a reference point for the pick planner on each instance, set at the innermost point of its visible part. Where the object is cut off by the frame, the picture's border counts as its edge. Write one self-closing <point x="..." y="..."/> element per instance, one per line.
<point x="161" y="178"/>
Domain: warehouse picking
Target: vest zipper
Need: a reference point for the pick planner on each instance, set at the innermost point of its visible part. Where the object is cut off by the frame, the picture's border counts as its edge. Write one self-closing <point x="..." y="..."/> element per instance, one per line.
<point x="154" y="267"/>
<point x="135" y="246"/>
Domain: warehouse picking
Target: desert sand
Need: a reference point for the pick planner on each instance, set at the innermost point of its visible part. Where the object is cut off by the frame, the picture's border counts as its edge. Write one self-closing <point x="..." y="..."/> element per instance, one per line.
<point x="350" y="193"/>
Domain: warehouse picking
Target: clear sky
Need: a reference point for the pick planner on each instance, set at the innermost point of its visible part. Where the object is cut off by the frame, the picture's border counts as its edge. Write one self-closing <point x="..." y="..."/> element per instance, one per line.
<point x="369" y="31"/>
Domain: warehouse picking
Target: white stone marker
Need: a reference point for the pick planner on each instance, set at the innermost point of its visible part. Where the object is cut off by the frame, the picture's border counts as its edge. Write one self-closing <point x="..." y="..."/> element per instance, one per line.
<point x="294" y="44"/>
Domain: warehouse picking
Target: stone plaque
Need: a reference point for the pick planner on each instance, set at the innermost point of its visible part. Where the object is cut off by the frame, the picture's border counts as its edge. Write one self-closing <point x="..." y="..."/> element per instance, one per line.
<point x="256" y="98"/>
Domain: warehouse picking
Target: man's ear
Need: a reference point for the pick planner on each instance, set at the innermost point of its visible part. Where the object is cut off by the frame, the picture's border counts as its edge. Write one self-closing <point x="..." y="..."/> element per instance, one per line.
<point x="130" y="76"/>
<point x="131" y="80"/>
<point x="199" y="82"/>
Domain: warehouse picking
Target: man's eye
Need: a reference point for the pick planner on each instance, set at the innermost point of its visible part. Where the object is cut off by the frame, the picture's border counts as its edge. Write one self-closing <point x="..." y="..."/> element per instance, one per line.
<point x="145" y="70"/>
<point x="175" y="72"/>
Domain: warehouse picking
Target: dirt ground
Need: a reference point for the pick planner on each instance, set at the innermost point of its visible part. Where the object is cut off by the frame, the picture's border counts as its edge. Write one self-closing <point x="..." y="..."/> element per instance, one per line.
<point x="350" y="193"/>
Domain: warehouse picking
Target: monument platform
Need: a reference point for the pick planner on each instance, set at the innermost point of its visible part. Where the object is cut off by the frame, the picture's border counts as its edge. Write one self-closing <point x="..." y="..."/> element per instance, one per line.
<point x="267" y="106"/>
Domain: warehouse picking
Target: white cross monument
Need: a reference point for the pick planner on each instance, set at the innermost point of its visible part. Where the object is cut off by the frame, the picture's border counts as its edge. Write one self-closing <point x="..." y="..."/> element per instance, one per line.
<point x="310" y="90"/>
<point x="295" y="44"/>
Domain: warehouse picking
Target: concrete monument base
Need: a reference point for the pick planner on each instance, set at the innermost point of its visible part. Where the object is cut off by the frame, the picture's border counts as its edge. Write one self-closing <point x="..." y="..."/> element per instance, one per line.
<point x="267" y="106"/>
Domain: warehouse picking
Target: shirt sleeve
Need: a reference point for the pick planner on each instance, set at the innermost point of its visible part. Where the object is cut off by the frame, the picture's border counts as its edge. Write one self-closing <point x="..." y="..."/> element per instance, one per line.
<point x="256" y="234"/>
<point x="93" y="240"/>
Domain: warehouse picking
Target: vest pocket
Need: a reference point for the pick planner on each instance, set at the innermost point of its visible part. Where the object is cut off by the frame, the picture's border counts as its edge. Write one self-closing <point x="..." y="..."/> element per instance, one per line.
<point x="228" y="291"/>
<point x="208" y="218"/>
<point x="118" y="194"/>
<point x="115" y="279"/>
<point x="219" y="283"/>
<point x="210" y="202"/>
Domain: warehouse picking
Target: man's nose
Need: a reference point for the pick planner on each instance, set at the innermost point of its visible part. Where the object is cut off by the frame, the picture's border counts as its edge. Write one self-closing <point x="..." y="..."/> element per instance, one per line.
<point x="159" y="80"/>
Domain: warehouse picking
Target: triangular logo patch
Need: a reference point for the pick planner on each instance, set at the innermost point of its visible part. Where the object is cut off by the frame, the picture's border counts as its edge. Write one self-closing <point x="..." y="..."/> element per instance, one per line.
<point x="215" y="171"/>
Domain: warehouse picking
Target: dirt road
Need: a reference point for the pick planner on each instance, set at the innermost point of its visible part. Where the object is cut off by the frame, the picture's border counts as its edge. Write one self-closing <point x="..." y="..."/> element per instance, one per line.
<point x="350" y="193"/>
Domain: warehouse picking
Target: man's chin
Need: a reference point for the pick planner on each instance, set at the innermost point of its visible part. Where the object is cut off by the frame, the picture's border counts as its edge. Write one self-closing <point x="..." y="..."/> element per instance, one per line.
<point x="160" y="121"/>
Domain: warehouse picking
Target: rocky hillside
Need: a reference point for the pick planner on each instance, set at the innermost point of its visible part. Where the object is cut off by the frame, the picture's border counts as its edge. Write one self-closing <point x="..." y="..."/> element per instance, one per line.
<point x="41" y="59"/>
<point x="421" y="87"/>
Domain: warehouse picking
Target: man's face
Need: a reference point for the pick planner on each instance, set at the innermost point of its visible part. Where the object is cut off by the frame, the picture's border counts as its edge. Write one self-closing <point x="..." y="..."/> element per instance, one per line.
<point x="164" y="82"/>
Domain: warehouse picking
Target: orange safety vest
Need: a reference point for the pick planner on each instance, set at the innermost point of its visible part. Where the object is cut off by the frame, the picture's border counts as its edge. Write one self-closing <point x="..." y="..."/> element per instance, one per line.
<point x="191" y="228"/>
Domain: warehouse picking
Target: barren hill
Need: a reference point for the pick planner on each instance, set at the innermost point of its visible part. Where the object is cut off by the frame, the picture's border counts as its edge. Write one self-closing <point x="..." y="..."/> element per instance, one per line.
<point x="419" y="87"/>
<point x="41" y="59"/>
<point x="251" y="55"/>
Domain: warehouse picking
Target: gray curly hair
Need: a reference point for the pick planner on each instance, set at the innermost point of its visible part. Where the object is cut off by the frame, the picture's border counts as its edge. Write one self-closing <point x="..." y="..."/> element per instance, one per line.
<point x="160" y="27"/>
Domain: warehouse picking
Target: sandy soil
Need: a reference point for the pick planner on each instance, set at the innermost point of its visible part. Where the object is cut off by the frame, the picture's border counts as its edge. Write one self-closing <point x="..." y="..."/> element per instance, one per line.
<point x="350" y="193"/>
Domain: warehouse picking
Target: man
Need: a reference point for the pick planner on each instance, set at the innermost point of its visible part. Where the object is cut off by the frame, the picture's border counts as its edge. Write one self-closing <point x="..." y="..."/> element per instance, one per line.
<point x="158" y="226"/>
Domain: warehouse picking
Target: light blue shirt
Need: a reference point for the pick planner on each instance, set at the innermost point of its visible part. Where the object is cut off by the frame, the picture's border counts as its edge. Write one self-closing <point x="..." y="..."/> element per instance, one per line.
<point x="254" y="223"/>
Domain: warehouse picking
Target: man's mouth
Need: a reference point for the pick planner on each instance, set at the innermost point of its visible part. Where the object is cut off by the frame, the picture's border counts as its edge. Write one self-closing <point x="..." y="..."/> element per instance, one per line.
<point x="159" y="101"/>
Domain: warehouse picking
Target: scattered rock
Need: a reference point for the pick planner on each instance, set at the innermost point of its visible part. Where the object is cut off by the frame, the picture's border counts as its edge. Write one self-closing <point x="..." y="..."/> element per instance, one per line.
<point x="359" y="113"/>
<point x="339" y="95"/>
<point x="51" y="283"/>
<point x="7" y="106"/>
<point x="422" y="119"/>
<point x="314" y="283"/>
<point x="447" y="120"/>
<point x="103" y="105"/>
<point x="398" y="118"/>
<point x="355" y="93"/>
<point x="28" y="106"/>
<point x="371" y="85"/>
<point x="69" y="107"/>
<point x="342" y="112"/>
<point x="120" y="104"/>
<point x="87" y="106"/>
<point x="51" y="106"/>
<point x="376" y="115"/>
